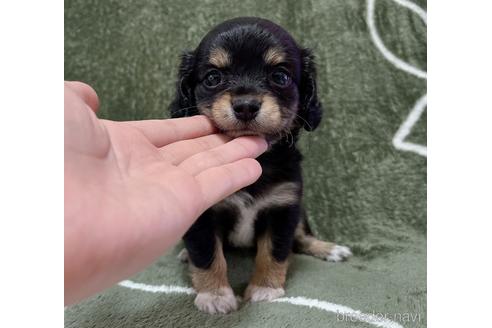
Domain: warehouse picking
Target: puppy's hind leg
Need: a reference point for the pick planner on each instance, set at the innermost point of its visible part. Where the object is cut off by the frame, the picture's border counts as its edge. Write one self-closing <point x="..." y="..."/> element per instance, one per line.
<point x="306" y="243"/>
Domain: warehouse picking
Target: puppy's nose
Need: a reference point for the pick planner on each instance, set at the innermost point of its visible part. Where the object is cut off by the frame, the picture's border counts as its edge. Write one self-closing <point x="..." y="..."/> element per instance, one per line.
<point x="245" y="108"/>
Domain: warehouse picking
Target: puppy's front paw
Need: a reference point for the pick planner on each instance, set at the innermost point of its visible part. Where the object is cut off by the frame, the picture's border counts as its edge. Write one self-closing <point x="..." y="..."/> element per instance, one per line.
<point x="221" y="300"/>
<point x="338" y="253"/>
<point x="258" y="293"/>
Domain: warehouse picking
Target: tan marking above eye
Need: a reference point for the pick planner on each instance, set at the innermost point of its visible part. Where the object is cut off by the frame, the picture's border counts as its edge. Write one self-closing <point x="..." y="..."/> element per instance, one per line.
<point x="220" y="58"/>
<point x="274" y="56"/>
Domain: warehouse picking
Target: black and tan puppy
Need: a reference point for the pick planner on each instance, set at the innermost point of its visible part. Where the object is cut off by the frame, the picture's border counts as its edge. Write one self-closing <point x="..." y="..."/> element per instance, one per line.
<point x="250" y="77"/>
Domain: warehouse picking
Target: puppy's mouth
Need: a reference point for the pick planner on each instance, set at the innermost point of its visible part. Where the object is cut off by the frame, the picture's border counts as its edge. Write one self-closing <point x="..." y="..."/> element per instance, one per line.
<point x="238" y="116"/>
<point x="229" y="125"/>
<point x="240" y="133"/>
<point x="233" y="127"/>
<point x="251" y="129"/>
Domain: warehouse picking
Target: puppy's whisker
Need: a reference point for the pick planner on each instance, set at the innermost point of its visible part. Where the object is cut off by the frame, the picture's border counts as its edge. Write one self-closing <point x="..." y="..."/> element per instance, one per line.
<point x="309" y="138"/>
<point x="289" y="137"/>
<point x="292" y="138"/>
<point x="184" y="108"/>
<point x="309" y="125"/>
<point x="281" y="134"/>
<point x="180" y="110"/>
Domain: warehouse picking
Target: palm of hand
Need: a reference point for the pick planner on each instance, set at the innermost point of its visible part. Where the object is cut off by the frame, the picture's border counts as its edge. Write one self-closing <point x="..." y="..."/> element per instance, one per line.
<point x="160" y="173"/>
<point x="132" y="189"/>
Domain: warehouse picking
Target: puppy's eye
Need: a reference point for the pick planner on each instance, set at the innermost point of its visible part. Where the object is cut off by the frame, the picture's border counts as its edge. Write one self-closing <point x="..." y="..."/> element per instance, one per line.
<point x="280" y="78"/>
<point x="212" y="79"/>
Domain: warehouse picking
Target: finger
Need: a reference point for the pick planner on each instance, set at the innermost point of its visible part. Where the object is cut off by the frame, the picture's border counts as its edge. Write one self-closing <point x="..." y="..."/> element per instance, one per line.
<point x="177" y="152"/>
<point x="219" y="182"/>
<point x="86" y="92"/>
<point x="232" y="151"/>
<point x="163" y="132"/>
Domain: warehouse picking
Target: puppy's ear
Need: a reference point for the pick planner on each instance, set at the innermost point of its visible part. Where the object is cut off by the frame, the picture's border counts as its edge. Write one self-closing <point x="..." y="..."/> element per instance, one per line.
<point x="310" y="108"/>
<point x="184" y="102"/>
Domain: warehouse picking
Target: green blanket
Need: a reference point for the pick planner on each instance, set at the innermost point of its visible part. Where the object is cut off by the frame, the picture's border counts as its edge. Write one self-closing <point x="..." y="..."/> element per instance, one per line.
<point x="365" y="167"/>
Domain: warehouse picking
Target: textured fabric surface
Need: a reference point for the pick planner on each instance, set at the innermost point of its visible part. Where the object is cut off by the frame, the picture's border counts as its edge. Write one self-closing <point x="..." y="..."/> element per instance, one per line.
<point x="361" y="191"/>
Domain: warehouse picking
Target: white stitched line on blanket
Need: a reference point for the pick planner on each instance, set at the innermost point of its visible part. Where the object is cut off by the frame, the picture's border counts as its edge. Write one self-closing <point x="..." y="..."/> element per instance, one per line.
<point x="157" y="289"/>
<point x="340" y="310"/>
<point x="406" y="127"/>
<point x="380" y="45"/>
<point x="412" y="118"/>
<point x="413" y="7"/>
<point x="301" y="301"/>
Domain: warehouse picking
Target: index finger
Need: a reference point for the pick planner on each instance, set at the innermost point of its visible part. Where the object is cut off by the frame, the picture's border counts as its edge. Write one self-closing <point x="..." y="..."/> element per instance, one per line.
<point x="164" y="132"/>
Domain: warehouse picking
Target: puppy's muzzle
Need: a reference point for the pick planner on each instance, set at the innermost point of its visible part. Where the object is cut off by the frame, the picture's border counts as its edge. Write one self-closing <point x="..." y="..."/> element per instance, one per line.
<point x="245" y="107"/>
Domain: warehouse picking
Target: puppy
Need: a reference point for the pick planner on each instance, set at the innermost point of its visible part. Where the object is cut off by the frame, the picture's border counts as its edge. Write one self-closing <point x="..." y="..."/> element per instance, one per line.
<point x="250" y="77"/>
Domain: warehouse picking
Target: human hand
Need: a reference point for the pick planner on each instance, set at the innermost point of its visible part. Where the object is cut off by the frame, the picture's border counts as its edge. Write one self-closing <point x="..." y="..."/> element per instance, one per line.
<point x="132" y="189"/>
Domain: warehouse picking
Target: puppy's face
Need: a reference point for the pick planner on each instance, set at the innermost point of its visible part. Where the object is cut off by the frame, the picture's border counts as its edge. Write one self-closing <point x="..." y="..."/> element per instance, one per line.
<point x="248" y="85"/>
<point x="249" y="77"/>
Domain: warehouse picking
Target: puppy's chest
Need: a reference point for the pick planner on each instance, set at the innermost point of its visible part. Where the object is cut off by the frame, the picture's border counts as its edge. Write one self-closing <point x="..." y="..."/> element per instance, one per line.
<point x="247" y="207"/>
